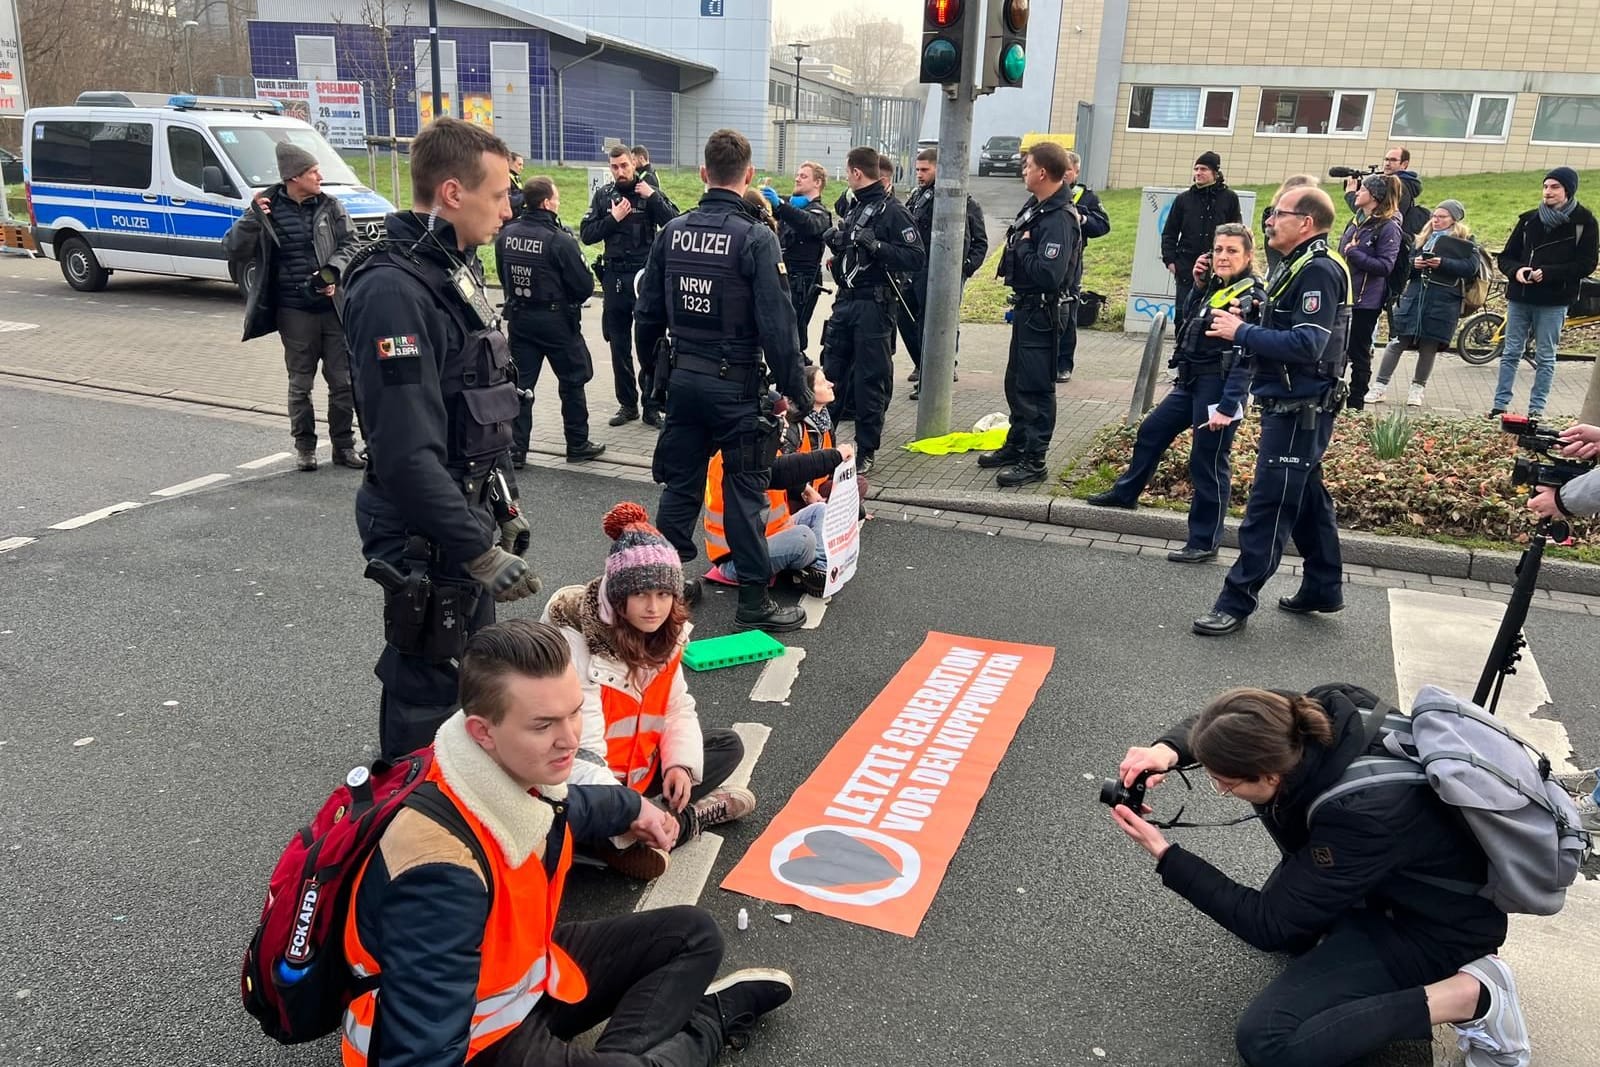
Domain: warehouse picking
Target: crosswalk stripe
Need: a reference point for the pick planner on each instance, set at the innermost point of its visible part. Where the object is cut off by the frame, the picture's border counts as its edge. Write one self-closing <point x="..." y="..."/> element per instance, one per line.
<point x="191" y="485"/>
<point x="778" y="676"/>
<point x="265" y="461"/>
<point x="95" y="516"/>
<point x="15" y="542"/>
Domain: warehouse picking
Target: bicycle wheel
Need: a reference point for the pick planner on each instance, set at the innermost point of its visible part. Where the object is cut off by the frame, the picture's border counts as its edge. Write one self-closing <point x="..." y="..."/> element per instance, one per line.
<point x="1481" y="338"/>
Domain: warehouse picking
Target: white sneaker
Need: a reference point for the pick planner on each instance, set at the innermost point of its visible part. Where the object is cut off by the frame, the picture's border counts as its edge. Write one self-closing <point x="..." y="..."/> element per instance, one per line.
<point x="1500" y="1038"/>
<point x="1588" y="812"/>
<point x="1375" y="394"/>
<point x="1414" y="396"/>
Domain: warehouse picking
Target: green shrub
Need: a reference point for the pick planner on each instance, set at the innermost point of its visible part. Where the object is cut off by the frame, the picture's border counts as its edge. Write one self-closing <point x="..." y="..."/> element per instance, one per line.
<point x="1389" y="435"/>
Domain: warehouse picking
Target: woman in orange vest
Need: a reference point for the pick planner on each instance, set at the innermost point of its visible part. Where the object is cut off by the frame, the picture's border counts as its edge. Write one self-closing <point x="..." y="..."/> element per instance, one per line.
<point x="627" y="629"/>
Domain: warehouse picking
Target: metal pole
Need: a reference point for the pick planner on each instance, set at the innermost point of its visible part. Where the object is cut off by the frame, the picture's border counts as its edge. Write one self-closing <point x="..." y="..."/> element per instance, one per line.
<point x="433" y="46"/>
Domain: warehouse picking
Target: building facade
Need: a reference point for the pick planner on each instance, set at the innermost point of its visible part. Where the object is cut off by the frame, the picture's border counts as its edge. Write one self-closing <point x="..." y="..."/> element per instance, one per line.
<point x="1466" y="87"/>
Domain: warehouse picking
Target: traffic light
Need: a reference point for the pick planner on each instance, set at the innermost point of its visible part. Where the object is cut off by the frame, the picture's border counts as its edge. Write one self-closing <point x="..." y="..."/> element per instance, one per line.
<point x="1005" y="46"/>
<point x="944" y="41"/>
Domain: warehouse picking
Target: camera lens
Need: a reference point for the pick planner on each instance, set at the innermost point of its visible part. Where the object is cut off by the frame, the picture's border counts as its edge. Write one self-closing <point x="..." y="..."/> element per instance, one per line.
<point x="1112" y="793"/>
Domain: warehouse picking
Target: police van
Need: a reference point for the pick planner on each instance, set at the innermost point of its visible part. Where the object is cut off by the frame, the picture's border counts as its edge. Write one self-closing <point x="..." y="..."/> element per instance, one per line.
<point x="151" y="183"/>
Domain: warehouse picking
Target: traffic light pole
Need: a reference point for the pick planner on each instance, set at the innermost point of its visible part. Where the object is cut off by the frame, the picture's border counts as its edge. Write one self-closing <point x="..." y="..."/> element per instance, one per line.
<point x="942" y="309"/>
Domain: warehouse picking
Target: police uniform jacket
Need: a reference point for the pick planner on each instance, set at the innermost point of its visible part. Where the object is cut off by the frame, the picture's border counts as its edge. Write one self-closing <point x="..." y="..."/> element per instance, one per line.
<point x="1091" y="214"/>
<point x="900" y="250"/>
<point x="1303" y="325"/>
<point x="919" y="205"/>
<point x="716" y="278"/>
<point x="800" y="231"/>
<point x="1042" y="245"/>
<point x="405" y="345"/>
<point x="1210" y="355"/>
<point x="540" y="264"/>
<point x="627" y="242"/>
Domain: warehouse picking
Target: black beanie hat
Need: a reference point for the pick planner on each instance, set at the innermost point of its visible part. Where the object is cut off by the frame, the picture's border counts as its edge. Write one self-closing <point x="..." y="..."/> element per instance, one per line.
<point x="1210" y="159"/>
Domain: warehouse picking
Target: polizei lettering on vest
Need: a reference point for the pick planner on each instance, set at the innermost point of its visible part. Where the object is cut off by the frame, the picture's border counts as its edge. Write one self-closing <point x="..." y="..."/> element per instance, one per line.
<point x="299" y="950"/>
<point x="701" y="242"/>
<point x="531" y="245"/>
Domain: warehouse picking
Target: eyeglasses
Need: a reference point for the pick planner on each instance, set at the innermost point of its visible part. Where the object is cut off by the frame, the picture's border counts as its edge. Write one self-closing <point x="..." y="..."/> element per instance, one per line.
<point x="1217" y="785"/>
<point x="1271" y="212"/>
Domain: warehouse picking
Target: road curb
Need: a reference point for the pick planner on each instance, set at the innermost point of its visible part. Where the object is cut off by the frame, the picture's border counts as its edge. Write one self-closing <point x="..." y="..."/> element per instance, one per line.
<point x="1383" y="553"/>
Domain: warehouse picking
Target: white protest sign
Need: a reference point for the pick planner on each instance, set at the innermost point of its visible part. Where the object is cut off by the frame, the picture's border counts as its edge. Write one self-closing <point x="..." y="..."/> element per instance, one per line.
<point x="840" y="529"/>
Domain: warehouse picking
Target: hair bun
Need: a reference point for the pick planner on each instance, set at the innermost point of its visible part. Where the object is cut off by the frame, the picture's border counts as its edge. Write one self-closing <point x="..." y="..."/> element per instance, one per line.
<point x="621" y="516"/>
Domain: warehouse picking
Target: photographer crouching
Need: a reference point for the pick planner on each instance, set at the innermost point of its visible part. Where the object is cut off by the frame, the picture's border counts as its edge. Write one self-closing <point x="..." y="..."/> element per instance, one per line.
<point x="1384" y="952"/>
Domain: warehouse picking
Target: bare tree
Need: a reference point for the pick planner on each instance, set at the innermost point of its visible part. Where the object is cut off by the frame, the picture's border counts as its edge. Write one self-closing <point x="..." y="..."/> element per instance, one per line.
<point x="874" y="51"/>
<point x="373" y="63"/>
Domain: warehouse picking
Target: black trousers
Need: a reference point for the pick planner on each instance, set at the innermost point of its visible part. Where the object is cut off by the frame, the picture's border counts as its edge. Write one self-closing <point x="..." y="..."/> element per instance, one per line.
<point x="1067" y="355"/>
<point x="309" y="338"/>
<point x="616" y="322"/>
<point x="706" y="415"/>
<point x="417" y="695"/>
<point x="803" y="292"/>
<point x="647" y="973"/>
<point x="1184" y="410"/>
<point x="538" y="336"/>
<point x="1357" y="991"/>
<point x="1287" y="499"/>
<point x="910" y="314"/>
<point x="1182" y="282"/>
<point x="723" y="751"/>
<point x="855" y="357"/>
<point x="1358" y="350"/>
<point x="1030" y="381"/>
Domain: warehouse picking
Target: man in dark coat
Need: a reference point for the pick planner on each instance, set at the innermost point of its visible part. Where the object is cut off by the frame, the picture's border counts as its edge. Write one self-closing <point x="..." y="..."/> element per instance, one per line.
<point x="1195" y="215"/>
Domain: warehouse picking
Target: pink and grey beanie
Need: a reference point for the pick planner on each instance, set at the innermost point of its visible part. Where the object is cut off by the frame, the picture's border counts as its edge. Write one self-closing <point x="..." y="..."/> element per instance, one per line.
<point x="640" y="558"/>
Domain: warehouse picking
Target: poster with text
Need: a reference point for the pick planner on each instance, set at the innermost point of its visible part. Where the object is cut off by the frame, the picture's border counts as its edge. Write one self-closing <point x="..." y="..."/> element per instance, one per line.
<point x="339" y="112"/>
<point x="841" y="527"/>
<point x="13" y="92"/>
<point x="293" y="94"/>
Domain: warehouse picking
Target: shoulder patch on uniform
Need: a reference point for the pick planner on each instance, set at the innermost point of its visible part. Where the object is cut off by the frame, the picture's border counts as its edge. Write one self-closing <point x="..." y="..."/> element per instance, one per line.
<point x="1311" y="303"/>
<point x="403" y="346"/>
<point x="1322" y="855"/>
<point x="400" y="360"/>
<point x="1052" y="250"/>
<point x="910" y="234"/>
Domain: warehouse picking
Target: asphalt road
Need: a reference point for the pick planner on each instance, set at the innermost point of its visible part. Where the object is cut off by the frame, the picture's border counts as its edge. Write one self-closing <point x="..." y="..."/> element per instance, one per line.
<point x="217" y="647"/>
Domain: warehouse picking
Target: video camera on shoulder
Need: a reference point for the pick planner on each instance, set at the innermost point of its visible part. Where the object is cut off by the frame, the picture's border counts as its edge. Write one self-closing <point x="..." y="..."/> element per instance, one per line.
<point x="1353" y="172"/>
<point x="1553" y="469"/>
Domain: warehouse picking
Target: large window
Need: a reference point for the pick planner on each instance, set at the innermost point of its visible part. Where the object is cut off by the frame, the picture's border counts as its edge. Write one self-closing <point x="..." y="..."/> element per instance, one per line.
<point x="1451" y="116"/>
<point x="1567" y="120"/>
<point x="1314" y="113"/>
<point x="1181" y="109"/>
<point x="112" y="154"/>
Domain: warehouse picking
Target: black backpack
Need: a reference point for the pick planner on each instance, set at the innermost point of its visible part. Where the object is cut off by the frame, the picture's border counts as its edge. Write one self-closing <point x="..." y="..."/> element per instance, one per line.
<point x="1412" y="222"/>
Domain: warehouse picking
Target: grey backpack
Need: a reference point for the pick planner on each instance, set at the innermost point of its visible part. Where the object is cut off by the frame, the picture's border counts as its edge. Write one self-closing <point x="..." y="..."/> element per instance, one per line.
<point x="1526" y="824"/>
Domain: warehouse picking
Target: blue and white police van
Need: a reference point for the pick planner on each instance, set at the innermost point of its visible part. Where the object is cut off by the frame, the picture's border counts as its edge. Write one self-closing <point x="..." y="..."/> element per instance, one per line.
<point x="151" y="183"/>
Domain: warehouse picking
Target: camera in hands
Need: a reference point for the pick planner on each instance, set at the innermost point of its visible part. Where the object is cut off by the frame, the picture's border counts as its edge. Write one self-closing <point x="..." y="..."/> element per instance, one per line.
<point x="1546" y="467"/>
<point x="1352" y="172"/>
<point x="1113" y="792"/>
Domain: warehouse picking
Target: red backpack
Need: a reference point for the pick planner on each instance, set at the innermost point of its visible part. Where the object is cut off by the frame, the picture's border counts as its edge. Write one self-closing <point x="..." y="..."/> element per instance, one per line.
<point x="296" y="981"/>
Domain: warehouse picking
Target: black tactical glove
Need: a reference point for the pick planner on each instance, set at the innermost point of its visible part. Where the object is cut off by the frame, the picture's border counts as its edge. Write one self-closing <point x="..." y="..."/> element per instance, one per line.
<point x="835" y="239"/>
<point x="864" y="240"/>
<point x="505" y="576"/>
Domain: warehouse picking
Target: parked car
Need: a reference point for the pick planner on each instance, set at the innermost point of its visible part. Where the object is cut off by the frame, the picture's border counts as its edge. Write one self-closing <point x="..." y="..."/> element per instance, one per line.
<point x="11" y="167"/>
<point x="1000" y="155"/>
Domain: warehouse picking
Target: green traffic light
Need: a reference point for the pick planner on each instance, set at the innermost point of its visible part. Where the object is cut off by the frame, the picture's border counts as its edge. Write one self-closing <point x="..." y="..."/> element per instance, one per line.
<point x="1012" y="62"/>
<point x="940" y="60"/>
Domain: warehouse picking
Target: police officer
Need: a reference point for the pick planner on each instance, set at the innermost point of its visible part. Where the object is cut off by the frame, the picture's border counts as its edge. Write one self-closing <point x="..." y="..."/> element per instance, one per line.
<point x="802" y="220"/>
<point x="716" y="280"/>
<point x="871" y="243"/>
<point x="914" y="306"/>
<point x="1041" y="247"/>
<point x="625" y="214"/>
<point x="436" y="400"/>
<point x="1298" y="355"/>
<point x="1093" y="222"/>
<point x="545" y="281"/>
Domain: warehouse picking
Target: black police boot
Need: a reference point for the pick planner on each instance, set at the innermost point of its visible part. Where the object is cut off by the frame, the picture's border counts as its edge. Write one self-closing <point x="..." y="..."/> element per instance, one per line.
<point x="1217" y="624"/>
<point x="1192" y="554"/>
<point x="758" y="611"/>
<point x="587" y="450"/>
<point x="743" y="997"/>
<point x="1021" y="472"/>
<point x="1300" y="604"/>
<point x="519" y="460"/>
<point x="623" y="415"/>
<point x="1000" y="457"/>
<point x="1110" y="499"/>
<point x="652" y="417"/>
<point x="349" y="457"/>
<point x="306" y="459"/>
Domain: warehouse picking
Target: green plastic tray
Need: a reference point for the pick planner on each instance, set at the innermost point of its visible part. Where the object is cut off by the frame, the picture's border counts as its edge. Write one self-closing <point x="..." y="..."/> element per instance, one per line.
<point x="730" y="650"/>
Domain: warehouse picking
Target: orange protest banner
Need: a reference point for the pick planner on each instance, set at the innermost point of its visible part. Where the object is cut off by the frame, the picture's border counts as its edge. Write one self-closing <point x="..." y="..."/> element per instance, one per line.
<point x="869" y="835"/>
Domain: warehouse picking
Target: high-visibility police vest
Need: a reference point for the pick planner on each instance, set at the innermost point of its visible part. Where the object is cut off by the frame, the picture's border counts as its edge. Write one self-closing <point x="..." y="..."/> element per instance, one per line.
<point x="717" y="548"/>
<point x="519" y="963"/>
<point x="634" y="726"/>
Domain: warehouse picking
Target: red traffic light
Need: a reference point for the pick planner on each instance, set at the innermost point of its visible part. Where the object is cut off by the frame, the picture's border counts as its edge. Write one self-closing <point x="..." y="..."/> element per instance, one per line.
<point x="942" y="14"/>
<point x="1015" y="15"/>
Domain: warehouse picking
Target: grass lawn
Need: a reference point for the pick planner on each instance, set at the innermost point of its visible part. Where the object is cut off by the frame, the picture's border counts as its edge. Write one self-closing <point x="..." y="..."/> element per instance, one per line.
<point x="1493" y="203"/>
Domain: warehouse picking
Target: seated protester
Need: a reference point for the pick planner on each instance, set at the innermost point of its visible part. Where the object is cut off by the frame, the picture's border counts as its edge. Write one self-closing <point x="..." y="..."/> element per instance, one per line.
<point x="460" y="934"/>
<point x="1385" y="951"/>
<point x="1207" y="397"/>
<point x="627" y="629"/>
<point x="1430" y="307"/>
<point x="814" y="433"/>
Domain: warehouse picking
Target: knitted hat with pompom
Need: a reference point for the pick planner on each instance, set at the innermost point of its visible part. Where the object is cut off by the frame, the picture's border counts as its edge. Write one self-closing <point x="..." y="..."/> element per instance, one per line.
<point x="640" y="559"/>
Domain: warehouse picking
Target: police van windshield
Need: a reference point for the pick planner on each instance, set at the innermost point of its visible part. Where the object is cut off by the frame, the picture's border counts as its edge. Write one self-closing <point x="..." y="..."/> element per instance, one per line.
<point x="253" y="150"/>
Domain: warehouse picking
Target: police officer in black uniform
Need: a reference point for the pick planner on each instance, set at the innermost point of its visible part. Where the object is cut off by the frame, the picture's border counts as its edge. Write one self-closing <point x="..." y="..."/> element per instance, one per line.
<point x="802" y="220"/>
<point x="1093" y="222"/>
<point x="875" y="240"/>
<point x="625" y="214"/>
<point x="436" y="399"/>
<point x="914" y="306"/>
<point x="716" y="280"/>
<point x="1298" y="355"/>
<point x="546" y="281"/>
<point x="1038" y="264"/>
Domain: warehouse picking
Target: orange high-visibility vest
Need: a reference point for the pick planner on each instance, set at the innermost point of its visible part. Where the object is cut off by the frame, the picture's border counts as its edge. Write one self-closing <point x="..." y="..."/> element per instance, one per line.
<point x="519" y="964"/>
<point x="716" y="533"/>
<point x="825" y="441"/>
<point x="634" y="726"/>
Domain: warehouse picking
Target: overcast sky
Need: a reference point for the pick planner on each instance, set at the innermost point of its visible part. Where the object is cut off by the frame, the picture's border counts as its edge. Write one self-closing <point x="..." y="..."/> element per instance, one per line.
<point x="821" y="12"/>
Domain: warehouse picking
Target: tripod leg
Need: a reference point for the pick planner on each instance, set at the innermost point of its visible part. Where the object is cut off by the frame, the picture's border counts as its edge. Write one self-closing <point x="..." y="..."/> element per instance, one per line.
<point x="1508" y="640"/>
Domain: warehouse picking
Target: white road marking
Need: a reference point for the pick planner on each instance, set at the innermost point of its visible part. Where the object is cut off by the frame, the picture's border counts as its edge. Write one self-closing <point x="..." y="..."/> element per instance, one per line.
<point x="815" y="608"/>
<point x="265" y="461"/>
<point x="778" y="676"/>
<point x="691" y="865"/>
<point x="95" y="516"/>
<point x="191" y="484"/>
<point x="15" y="542"/>
<point x="1443" y="641"/>
<point x="17" y="327"/>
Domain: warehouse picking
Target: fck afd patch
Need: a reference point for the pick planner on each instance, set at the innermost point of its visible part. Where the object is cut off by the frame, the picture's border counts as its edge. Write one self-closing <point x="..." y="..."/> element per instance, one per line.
<point x="1311" y="303"/>
<point x="1052" y="250"/>
<point x="402" y="347"/>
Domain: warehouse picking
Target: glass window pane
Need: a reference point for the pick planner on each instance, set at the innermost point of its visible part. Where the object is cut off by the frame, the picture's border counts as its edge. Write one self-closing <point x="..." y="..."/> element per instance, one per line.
<point x="119" y="154"/>
<point x="1575" y="119"/>
<point x="1219" y="109"/>
<point x="1352" y="113"/>
<point x="1492" y="113"/>
<point x="1431" y="114"/>
<point x="1174" y="107"/>
<point x="1139" y="108"/>
<point x="61" y="152"/>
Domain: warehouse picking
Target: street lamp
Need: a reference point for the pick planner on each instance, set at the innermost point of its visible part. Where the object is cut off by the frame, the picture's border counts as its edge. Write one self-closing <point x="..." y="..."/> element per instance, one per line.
<point x="799" y="53"/>
<point x="188" y="49"/>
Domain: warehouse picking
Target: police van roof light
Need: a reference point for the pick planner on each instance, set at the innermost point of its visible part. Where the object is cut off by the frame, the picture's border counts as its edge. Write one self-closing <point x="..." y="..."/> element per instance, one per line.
<point x="191" y="102"/>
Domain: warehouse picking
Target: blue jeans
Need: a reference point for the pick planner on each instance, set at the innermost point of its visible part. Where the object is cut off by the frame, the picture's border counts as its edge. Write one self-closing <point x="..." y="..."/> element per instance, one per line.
<point x="796" y="546"/>
<point x="1545" y="325"/>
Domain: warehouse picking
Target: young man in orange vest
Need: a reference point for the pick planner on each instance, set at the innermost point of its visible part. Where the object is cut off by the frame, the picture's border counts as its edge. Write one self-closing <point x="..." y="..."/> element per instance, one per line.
<point x="464" y="957"/>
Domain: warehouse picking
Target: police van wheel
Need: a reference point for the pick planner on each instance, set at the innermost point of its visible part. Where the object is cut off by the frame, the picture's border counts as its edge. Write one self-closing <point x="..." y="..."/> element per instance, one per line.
<point x="78" y="265"/>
